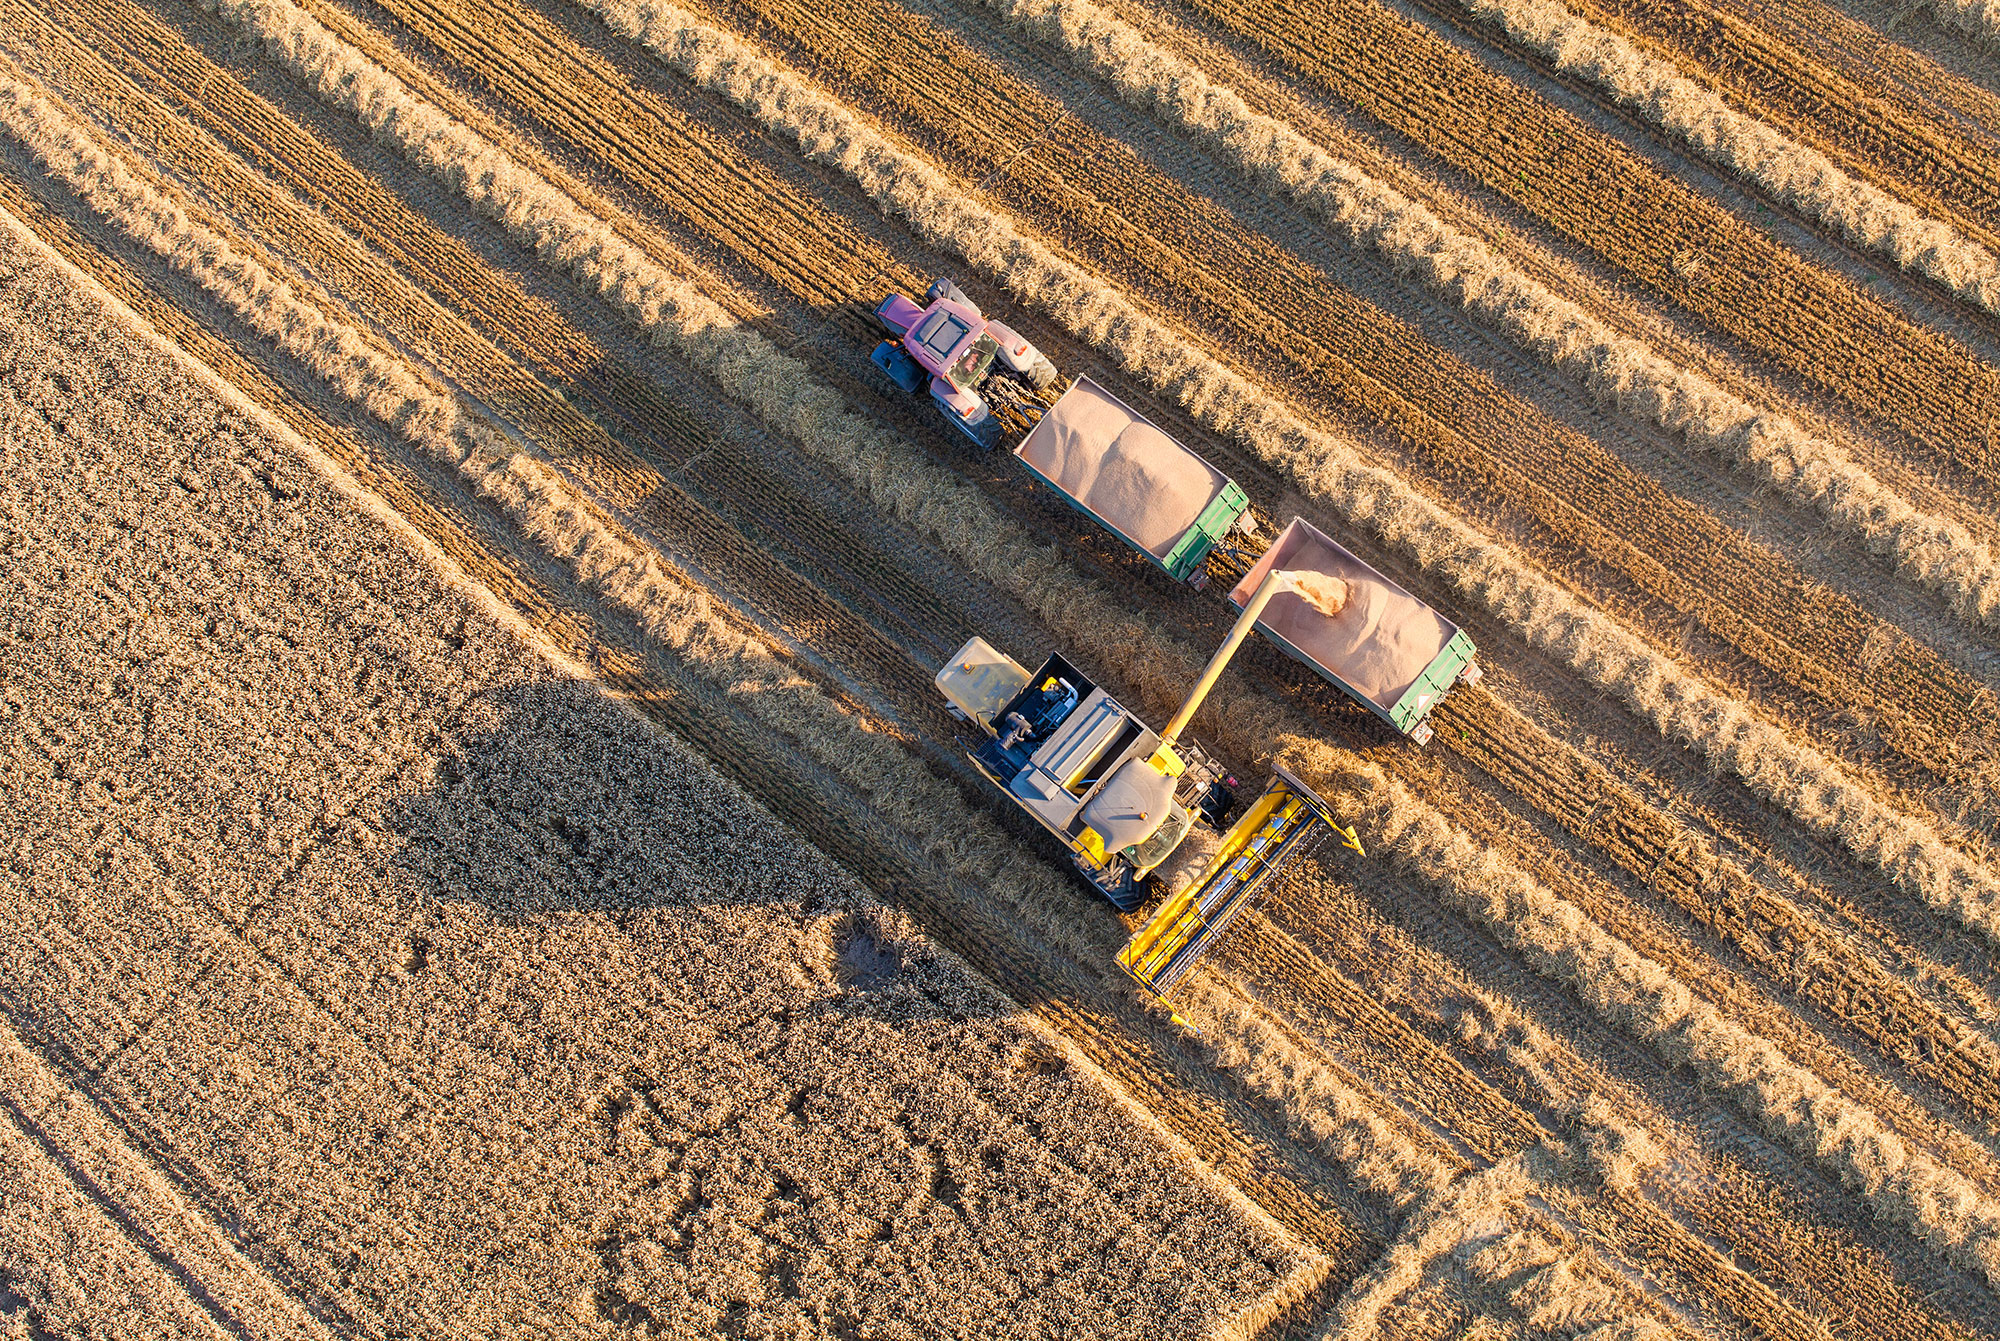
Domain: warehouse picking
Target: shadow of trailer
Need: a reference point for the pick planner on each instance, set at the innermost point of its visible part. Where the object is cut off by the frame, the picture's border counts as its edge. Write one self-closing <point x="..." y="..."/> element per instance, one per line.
<point x="1386" y="649"/>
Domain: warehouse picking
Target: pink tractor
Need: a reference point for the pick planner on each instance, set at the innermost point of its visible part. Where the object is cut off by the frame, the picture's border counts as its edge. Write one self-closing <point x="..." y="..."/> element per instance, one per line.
<point x="967" y="363"/>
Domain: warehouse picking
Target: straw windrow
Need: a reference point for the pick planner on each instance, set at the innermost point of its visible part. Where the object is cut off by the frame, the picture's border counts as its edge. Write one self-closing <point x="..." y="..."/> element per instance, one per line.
<point x="1803" y="178"/>
<point x="1559" y="939"/>
<point x="1802" y="780"/>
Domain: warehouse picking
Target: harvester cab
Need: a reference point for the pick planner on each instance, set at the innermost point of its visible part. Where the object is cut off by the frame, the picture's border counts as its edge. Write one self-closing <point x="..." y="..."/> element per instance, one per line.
<point x="973" y="369"/>
<point x="1141" y="812"/>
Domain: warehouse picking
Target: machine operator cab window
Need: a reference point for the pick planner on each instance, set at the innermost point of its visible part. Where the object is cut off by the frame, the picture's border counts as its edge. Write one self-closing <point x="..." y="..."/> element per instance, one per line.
<point x="940" y="335"/>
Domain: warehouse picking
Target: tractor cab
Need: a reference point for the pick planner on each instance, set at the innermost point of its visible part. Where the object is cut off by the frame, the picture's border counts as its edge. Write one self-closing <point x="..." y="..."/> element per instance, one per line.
<point x="948" y="349"/>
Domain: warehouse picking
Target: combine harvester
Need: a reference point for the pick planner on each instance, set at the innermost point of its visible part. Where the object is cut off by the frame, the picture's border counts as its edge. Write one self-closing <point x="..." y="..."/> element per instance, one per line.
<point x="1138" y="808"/>
<point x="1135" y="808"/>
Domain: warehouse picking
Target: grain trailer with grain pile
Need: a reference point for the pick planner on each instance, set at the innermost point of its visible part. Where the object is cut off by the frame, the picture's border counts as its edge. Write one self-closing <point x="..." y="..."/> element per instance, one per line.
<point x="1118" y="468"/>
<point x="1369" y="637"/>
<point x="1142" y="813"/>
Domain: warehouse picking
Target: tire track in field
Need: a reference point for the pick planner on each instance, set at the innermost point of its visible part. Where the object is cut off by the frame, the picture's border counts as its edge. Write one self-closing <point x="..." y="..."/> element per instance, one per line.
<point x="1837" y="1066"/>
<point x="967" y="113"/>
<point x="919" y="676"/>
<point x="670" y="432"/>
<point x="1189" y="1078"/>
<point x="1628" y="78"/>
<point x="1787" y="773"/>
<point x="925" y="678"/>
<point x="1827" y="985"/>
<point x="1429" y="969"/>
<point x="1714" y="1184"/>
<point x="1852" y="115"/>
<point x="1131" y="222"/>
<point x="1926" y="387"/>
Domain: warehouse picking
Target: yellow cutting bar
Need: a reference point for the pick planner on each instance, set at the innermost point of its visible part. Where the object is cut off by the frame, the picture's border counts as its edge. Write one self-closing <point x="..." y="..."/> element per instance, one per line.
<point x="1284" y="823"/>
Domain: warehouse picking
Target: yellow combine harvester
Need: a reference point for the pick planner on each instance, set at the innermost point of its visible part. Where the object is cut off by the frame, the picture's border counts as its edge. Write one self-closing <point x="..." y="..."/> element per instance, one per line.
<point x="1140" y="811"/>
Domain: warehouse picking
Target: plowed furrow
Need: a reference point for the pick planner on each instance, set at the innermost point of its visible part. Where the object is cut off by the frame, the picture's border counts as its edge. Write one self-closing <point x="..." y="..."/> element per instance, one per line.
<point x="1642" y="221"/>
<point x="1467" y="437"/>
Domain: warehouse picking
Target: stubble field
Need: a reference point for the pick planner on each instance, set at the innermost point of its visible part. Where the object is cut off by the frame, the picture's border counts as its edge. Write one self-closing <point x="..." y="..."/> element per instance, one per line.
<point x="487" y="853"/>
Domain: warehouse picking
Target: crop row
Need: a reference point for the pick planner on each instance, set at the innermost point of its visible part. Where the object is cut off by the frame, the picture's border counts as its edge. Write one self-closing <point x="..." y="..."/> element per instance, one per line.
<point x="225" y="189"/>
<point x="1829" y="979"/>
<point x="1640" y="219"/>
<point x="1549" y="929"/>
<point x="903" y="794"/>
<point x="1454" y="428"/>
<point x="1803" y="178"/>
<point x="1861" y="116"/>
<point x="1797" y="778"/>
<point x="1618" y="369"/>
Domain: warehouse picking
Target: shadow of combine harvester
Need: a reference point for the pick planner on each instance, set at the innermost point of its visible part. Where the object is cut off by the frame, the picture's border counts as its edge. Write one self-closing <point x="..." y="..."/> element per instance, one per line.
<point x="1144" y="813"/>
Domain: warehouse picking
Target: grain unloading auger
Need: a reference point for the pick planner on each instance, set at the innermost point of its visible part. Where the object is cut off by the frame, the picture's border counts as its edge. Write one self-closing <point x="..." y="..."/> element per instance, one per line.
<point x="1141" y="811"/>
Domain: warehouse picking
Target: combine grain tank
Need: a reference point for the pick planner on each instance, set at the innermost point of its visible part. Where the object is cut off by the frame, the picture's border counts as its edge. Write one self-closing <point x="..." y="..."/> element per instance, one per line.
<point x="1113" y="465"/>
<point x="1384" y="646"/>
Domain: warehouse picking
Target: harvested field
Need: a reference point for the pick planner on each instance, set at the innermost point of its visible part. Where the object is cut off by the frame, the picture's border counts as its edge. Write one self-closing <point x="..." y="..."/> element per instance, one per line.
<point x="487" y="855"/>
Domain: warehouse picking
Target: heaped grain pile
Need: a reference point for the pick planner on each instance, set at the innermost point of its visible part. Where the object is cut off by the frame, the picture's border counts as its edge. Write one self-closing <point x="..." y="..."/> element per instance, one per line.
<point x="464" y="998"/>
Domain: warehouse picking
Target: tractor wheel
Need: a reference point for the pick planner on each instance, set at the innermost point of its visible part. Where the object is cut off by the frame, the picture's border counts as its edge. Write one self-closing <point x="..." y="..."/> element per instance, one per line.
<point x="1041" y="374"/>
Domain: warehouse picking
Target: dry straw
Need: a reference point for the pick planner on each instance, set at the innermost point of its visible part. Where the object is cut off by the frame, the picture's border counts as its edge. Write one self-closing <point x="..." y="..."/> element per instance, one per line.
<point x="1482" y="1226"/>
<point x="1979" y="19"/>
<point x="1932" y="551"/>
<point x="1804" y="178"/>
<point x="1559" y="938"/>
<point x="677" y="616"/>
<point x="1680" y="706"/>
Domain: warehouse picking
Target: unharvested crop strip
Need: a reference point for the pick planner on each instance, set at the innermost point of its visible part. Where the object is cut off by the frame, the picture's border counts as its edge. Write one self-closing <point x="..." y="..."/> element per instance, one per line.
<point x="1802" y="780"/>
<point x="1365" y="212"/>
<point x="1628" y="990"/>
<point x="1804" y="178"/>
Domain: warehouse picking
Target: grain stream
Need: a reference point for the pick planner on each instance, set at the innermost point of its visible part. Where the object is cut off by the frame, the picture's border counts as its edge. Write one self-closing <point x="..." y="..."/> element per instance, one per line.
<point x="682" y="618"/>
<point x="1366" y="213"/>
<point x="609" y="757"/>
